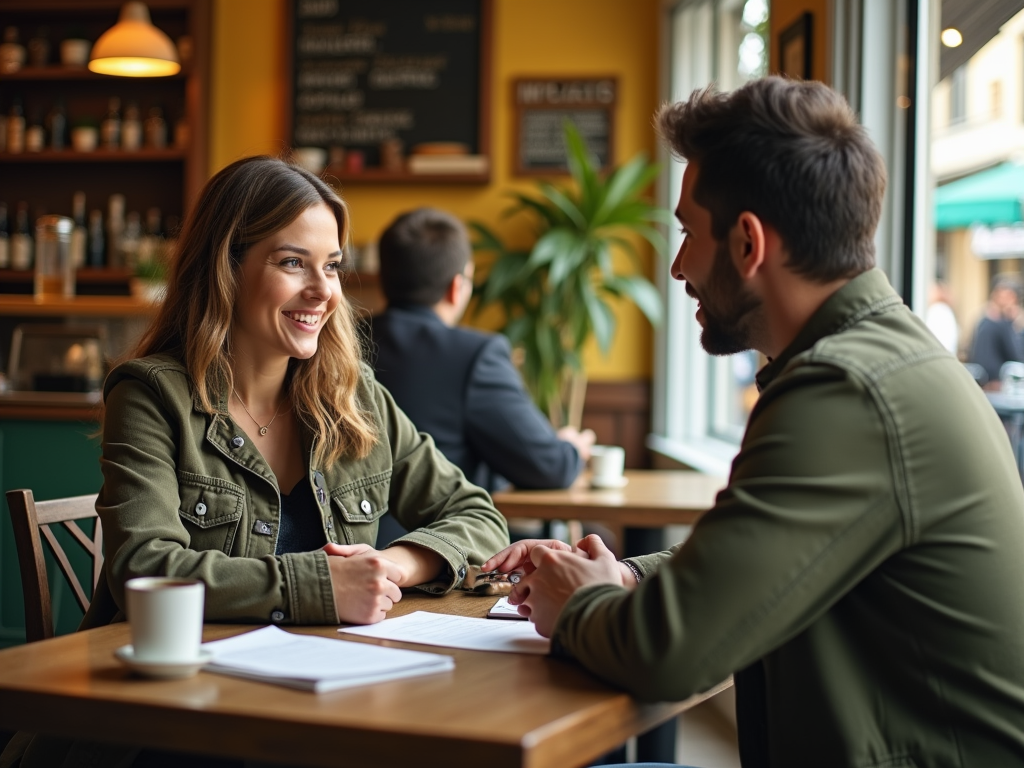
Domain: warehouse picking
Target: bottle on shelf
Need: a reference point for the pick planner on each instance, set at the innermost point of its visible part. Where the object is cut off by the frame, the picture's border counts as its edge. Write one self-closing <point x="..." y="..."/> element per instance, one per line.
<point x="21" y="240"/>
<point x="39" y="48"/>
<point x="16" y="127"/>
<point x="57" y="125"/>
<point x="115" y="231"/>
<point x="156" y="128"/>
<point x="97" y="246"/>
<point x="12" y="52"/>
<point x="5" y="240"/>
<point x="79" y="235"/>
<point x="131" y="128"/>
<point x="152" y="243"/>
<point x="35" y="136"/>
<point x="131" y="239"/>
<point x="3" y="134"/>
<point x="110" y="128"/>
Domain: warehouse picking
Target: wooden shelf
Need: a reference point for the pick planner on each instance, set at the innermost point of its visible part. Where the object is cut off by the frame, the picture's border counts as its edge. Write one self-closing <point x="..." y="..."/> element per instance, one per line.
<point x="79" y="306"/>
<point x="83" y="275"/>
<point x="383" y="176"/>
<point x="96" y="156"/>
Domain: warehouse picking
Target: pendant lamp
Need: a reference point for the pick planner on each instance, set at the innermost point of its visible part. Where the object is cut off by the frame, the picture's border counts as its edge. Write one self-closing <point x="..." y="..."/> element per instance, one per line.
<point x="134" y="47"/>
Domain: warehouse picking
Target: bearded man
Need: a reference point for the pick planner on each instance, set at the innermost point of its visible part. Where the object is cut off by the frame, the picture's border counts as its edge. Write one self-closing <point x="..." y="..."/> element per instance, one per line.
<point x="860" y="576"/>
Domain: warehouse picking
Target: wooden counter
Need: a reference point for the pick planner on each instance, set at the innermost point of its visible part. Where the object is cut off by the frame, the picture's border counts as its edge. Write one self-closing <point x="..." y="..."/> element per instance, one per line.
<point x="50" y="406"/>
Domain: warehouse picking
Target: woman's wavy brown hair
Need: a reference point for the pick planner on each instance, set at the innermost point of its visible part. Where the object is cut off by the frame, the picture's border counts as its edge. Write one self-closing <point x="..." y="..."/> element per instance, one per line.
<point x="246" y="202"/>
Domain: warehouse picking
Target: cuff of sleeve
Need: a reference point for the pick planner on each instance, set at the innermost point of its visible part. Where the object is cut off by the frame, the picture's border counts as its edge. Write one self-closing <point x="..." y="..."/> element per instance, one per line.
<point x="308" y="590"/>
<point x="573" y="612"/>
<point x="454" y="557"/>
<point x="645" y="564"/>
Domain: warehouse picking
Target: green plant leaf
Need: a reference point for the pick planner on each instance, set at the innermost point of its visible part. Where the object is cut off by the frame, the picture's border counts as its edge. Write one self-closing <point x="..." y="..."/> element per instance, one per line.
<point x="641" y="292"/>
<point x="551" y="217"/>
<point x="568" y="261"/>
<point x="565" y="205"/>
<point x="602" y="319"/>
<point x="554" y="244"/>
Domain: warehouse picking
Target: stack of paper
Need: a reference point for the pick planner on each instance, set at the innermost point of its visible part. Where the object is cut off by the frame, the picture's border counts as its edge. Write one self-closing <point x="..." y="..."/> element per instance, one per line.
<point x="317" y="663"/>
<point x="448" y="164"/>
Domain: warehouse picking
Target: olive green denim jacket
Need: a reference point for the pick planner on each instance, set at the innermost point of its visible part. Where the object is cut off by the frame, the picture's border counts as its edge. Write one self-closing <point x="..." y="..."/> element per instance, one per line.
<point x="864" y="565"/>
<point x="188" y="494"/>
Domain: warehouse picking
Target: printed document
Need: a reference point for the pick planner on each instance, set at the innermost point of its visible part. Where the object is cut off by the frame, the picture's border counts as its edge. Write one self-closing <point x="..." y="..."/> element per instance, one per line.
<point x="317" y="663"/>
<point x="502" y="610"/>
<point x="457" y="632"/>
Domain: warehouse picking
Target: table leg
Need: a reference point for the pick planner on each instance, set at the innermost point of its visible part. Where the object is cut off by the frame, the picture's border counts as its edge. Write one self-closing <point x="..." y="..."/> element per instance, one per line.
<point x="658" y="745"/>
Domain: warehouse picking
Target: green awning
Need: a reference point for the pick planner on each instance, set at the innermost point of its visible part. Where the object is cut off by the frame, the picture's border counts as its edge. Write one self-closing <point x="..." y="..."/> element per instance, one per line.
<point x="989" y="197"/>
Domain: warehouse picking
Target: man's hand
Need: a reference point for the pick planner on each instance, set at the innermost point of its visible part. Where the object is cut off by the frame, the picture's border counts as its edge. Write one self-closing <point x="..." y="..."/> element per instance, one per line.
<point x="555" y="576"/>
<point x="365" y="584"/>
<point x="581" y="441"/>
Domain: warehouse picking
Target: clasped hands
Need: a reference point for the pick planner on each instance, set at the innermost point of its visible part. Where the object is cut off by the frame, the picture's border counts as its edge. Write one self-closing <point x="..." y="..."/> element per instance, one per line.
<point x="367" y="582"/>
<point x="553" y="571"/>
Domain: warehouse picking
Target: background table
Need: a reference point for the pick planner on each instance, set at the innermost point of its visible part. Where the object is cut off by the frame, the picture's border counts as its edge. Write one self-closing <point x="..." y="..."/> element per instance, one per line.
<point x="494" y="709"/>
<point x="1010" y="408"/>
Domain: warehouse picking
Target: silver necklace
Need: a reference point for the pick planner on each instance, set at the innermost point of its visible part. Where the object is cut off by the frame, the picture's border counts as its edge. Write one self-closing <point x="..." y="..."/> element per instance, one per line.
<point x="263" y="430"/>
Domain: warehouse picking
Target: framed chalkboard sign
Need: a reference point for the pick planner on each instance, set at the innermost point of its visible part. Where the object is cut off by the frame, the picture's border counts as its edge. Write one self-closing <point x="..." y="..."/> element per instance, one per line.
<point x="393" y="90"/>
<point x="543" y="105"/>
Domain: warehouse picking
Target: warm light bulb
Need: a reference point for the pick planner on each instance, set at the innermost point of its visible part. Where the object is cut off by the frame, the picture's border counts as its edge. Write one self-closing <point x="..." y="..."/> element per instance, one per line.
<point x="951" y="37"/>
<point x="134" y="47"/>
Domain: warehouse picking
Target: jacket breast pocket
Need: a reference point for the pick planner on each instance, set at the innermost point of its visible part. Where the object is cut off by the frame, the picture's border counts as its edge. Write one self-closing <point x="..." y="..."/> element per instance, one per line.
<point x="358" y="506"/>
<point x="210" y="513"/>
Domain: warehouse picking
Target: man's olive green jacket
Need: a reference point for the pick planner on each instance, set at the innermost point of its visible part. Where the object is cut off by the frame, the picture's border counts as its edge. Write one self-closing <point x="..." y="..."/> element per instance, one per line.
<point x="864" y="567"/>
<point x="188" y="494"/>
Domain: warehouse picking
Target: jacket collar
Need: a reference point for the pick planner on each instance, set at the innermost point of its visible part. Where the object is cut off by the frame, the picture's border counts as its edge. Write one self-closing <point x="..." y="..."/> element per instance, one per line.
<point x="865" y="294"/>
<point x="417" y="310"/>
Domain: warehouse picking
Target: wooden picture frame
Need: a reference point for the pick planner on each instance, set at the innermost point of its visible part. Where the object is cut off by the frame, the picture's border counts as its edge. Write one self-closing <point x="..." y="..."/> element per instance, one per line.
<point x="543" y="103"/>
<point x="795" y="48"/>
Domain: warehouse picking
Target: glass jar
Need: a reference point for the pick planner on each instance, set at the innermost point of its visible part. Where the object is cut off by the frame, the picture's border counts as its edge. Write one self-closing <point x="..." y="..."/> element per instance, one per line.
<point x="55" y="270"/>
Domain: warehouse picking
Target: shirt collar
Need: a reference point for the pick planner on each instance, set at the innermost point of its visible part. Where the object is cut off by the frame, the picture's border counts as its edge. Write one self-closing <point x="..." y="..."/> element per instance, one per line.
<point x="866" y="293"/>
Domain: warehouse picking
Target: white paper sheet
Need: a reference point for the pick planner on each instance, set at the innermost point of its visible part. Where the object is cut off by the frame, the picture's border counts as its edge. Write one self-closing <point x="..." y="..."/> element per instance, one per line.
<point x="458" y="632"/>
<point x="502" y="610"/>
<point x="317" y="663"/>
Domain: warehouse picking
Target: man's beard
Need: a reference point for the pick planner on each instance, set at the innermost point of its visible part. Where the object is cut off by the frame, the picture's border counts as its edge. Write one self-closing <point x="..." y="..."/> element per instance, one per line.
<point x="728" y="308"/>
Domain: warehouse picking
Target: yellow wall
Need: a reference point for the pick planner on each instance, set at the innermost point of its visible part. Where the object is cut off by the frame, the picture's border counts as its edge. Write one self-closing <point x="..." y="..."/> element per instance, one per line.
<point x="531" y="37"/>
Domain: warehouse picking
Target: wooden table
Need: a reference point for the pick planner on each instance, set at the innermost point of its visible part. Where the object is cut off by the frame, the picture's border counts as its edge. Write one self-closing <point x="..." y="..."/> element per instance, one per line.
<point x="651" y="499"/>
<point x="495" y="709"/>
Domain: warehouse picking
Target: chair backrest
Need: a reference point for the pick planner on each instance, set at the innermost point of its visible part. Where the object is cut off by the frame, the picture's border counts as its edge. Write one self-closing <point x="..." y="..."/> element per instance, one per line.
<point x="29" y="518"/>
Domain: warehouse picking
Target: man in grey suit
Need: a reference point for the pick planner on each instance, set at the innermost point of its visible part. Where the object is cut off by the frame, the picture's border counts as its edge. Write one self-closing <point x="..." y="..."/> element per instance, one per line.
<point x="458" y="384"/>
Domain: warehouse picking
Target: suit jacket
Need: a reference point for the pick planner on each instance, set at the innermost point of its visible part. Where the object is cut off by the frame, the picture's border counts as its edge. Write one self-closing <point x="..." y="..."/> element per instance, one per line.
<point x="459" y="386"/>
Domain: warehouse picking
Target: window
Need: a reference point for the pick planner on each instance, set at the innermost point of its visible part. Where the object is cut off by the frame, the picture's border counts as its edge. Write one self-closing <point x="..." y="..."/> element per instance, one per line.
<point x="958" y="96"/>
<point x="702" y="403"/>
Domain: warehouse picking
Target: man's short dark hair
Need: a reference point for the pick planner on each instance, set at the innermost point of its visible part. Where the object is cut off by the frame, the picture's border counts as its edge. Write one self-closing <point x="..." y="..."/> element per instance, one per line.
<point x="793" y="154"/>
<point x="420" y="253"/>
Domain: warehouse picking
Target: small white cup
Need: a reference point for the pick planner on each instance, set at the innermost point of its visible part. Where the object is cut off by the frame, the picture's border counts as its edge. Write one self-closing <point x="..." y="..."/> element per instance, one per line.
<point x="606" y="465"/>
<point x="166" y="617"/>
<point x="313" y="159"/>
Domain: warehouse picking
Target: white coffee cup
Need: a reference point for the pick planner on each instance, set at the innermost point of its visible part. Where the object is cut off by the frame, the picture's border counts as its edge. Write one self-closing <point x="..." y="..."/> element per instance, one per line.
<point x="166" y="617"/>
<point x="606" y="465"/>
<point x="313" y="159"/>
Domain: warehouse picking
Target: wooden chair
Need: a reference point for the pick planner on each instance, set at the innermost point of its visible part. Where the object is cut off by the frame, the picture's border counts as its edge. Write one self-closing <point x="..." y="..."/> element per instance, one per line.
<point x="30" y="518"/>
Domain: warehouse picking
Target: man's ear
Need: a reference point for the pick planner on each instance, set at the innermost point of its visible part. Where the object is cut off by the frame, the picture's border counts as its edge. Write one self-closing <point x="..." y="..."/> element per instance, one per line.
<point x="748" y="244"/>
<point x="451" y="294"/>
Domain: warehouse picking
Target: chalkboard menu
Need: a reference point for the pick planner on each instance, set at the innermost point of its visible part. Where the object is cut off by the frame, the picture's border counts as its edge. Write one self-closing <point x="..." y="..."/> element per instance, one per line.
<point x="373" y="78"/>
<point x="542" y="108"/>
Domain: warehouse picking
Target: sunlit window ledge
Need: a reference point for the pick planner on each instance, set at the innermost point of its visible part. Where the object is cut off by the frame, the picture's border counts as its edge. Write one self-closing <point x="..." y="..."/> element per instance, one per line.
<point x="713" y="457"/>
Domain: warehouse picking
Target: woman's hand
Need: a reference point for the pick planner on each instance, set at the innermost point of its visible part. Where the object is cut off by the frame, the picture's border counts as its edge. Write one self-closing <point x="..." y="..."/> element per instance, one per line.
<point x="365" y="584"/>
<point x="516" y="557"/>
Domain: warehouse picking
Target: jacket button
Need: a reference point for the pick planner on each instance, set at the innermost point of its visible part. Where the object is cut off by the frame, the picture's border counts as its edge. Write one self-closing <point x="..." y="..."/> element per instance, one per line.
<point x="237" y="442"/>
<point x="277" y="617"/>
<point x="365" y="506"/>
<point x="462" y="572"/>
<point x="200" y="508"/>
<point x="321" y="496"/>
<point x="318" y="479"/>
<point x="330" y="523"/>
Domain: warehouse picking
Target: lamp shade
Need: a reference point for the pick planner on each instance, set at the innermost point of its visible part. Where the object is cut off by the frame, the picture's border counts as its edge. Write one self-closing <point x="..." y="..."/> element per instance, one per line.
<point x="134" y="47"/>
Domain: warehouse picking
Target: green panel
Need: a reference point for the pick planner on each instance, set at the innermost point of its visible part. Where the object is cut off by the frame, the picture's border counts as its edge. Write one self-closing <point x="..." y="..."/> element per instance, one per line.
<point x="54" y="459"/>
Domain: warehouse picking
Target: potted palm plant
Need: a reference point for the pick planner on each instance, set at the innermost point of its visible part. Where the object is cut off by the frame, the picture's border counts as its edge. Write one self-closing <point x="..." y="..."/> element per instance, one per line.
<point x="555" y="294"/>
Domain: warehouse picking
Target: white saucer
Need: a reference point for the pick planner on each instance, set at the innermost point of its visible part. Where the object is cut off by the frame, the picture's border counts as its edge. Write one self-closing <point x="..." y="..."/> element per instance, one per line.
<point x="162" y="670"/>
<point x="609" y="485"/>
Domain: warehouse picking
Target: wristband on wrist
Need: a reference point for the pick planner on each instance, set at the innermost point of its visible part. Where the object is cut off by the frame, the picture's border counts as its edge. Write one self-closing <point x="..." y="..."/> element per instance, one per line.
<point x="636" y="571"/>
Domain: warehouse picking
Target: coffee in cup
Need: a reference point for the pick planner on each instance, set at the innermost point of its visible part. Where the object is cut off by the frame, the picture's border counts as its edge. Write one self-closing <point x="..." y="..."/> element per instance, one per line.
<point x="166" y="618"/>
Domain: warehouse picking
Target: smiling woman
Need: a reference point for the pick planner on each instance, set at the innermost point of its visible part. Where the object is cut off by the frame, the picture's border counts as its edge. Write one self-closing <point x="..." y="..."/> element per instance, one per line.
<point x="246" y="445"/>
